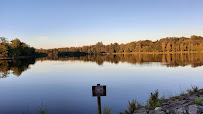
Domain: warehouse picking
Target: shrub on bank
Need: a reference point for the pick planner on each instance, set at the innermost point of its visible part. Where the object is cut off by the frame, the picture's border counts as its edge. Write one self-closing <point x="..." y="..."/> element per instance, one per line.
<point x="198" y="101"/>
<point x="154" y="101"/>
<point x="132" y="106"/>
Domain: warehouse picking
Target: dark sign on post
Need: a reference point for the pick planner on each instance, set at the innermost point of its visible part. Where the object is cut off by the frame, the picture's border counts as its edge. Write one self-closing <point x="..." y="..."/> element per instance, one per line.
<point x="99" y="90"/>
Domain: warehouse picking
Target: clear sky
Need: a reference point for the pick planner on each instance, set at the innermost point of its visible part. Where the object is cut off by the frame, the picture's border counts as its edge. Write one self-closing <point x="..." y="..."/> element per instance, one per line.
<point x="65" y="23"/>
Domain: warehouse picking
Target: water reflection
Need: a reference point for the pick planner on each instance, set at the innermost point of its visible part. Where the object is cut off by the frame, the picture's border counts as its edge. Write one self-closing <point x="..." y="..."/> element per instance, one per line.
<point x="170" y="60"/>
<point x="14" y="66"/>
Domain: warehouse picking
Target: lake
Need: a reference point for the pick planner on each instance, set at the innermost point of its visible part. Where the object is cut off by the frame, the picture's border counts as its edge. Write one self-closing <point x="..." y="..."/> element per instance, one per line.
<point x="64" y="84"/>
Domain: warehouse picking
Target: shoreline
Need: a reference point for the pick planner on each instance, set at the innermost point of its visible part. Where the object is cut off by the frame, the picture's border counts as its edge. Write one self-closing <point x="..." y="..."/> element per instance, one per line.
<point x="157" y="52"/>
<point x="19" y="57"/>
<point x="184" y="52"/>
<point x="185" y="103"/>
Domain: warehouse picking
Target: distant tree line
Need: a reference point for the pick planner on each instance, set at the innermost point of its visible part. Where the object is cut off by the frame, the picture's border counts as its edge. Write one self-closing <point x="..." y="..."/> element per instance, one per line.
<point x="15" y="48"/>
<point x="169" y="44"/>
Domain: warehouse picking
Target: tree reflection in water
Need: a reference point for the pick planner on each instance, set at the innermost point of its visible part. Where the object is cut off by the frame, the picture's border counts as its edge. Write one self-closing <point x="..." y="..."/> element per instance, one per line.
<point x="170" y="60"/>
<point x="14" y="66"/>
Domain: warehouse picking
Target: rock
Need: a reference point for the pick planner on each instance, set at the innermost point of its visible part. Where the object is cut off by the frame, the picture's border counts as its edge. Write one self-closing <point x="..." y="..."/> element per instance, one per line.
<point x="152" y="112"/>
<point x="187" y="103"/>
<point x="181" y="110"/>
<point x="183" y="97"/>
<point x="194" y="109"/>
<point x="184" y="102"/>
<point x="178" y="106"/>
<point x="164" y="104"/>
<point x="192" y="97"/>
<point x="201" y="108"/>
<point x="201" y="91"/>
<point x="176" y="100"/>
<point x="158" y="108"/>
<point x="140" y="112"/>
<point x="201" y="97"/>
<point x="160" y="112"/>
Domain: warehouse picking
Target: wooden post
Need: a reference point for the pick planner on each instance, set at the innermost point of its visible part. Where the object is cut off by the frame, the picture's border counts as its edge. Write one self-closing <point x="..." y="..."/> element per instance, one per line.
<point x="99" y="103"/>
<point x="98" y="91"/>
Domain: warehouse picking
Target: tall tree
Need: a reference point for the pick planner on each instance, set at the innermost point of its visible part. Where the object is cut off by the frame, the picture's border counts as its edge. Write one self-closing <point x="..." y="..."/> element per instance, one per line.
<point x="168" y="47"/>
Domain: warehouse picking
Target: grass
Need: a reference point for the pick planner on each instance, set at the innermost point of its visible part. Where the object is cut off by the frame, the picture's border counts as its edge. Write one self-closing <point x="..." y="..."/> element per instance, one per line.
<point x="154" y="101"/>
<point x="132" y="106"/>
<point x="43" y="109"/>
<point x="198" y="101"/>
<point x="193" y="91"/>
<point x="174" y="98"/>
<point x="107" y="110"/>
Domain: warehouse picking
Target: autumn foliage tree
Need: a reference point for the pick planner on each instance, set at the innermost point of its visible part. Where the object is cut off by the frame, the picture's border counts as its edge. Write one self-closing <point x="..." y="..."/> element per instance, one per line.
<point x="168" y="44"/>
<point x="15" y="48"/>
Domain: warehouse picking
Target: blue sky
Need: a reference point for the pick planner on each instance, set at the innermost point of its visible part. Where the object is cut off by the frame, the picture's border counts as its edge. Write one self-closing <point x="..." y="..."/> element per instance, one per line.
<point x="65" y="23"/>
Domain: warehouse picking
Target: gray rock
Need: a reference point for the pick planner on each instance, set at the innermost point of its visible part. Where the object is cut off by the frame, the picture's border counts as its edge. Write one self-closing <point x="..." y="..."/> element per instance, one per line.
<point x="158" y="108"/>
<point x="192" y="97"/>
<point x="160" y="112"/>
<point x="181" y="110"/>
<point x="194" y="109"/>
<point x="201" y="108"/>
<point x="201" y="97"/>
<point x="152" y="112"/>
<point x="164" y="104"/>
<point x="201" y="91"/>
<point x="187" y="103"/>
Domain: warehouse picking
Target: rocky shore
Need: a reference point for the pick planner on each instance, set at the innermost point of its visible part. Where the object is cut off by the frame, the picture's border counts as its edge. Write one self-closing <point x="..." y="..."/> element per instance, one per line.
<point x="188" y="103"/>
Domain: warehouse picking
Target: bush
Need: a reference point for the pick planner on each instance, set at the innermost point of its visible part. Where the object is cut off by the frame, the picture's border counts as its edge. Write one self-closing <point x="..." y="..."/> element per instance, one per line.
<point x="43" y="109"/>
<point x="154" y="101"/>
<point x="132" y="106"/>
<point x="198" y="101"/>
<point x="194" y="90"/>
<point x="174" y="98"/>
<point x="107" y="110"/>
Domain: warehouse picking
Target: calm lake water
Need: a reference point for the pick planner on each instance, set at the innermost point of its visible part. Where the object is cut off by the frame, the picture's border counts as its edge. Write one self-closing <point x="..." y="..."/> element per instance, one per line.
<point x="65" y="84"/>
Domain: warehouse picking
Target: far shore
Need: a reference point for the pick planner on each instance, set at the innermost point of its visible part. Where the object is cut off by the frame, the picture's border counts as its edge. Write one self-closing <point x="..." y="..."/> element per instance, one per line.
<point x="158" y="52"/>
<point x="18" y="57"/>
<point x="25" y="57"/>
